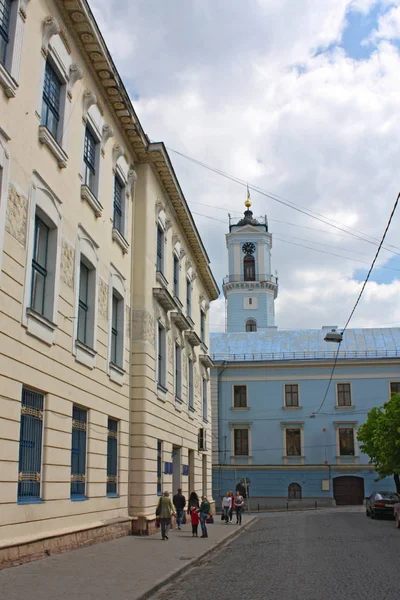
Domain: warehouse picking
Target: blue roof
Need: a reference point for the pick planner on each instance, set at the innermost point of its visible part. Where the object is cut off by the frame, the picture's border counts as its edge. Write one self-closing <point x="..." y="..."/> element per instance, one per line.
<point x="304" y="344"/>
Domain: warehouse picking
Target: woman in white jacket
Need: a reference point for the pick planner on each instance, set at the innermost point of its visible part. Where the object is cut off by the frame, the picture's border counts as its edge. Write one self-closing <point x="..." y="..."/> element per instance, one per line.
<point x="226" y="506"/>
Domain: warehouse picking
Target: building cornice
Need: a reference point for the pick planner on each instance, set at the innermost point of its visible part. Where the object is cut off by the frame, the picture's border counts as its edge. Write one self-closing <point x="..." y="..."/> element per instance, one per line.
<point x="83" y="27"/>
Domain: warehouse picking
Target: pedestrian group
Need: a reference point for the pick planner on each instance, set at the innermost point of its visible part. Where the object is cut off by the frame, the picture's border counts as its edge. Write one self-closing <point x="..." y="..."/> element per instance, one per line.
<point x="232" y="503"/>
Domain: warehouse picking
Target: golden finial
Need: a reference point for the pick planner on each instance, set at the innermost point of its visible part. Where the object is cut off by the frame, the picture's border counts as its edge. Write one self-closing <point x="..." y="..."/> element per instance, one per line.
<point x="248" y="201"/>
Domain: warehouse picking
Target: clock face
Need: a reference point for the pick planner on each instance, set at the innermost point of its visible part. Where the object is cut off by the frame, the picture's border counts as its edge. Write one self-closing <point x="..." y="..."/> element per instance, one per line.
<point x="249" y="248"/>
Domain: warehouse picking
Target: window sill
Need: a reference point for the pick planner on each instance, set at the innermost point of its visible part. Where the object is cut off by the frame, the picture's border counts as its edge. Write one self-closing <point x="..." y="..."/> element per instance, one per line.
<point x="240" y="408"/>
<point x="117" y="374"/>
<point x="113" y="495"/>
<point x="30" y="501"/>
<point x="205" y="421"/>
<point x="119" y="238"/>
<point x="85" y="355"/>
<point x="9" y="84"/>
<point x="88" y="196"/>
<point x="241" y="456"/>
<point x="79" y="498"/>
<point x="345" y="407"/>
<point x="45" y="137"/>
<point x="292" y="407"/>
<point x="297" y="457"/>
<point x="161" y="392"/>
<point x="40" y="327"/>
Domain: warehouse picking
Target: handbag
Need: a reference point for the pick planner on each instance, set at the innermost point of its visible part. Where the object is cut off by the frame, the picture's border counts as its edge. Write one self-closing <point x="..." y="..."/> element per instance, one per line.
<point x="158" y="509"/>
<point x="158" y="523"/>
<point x="222" y="517"/>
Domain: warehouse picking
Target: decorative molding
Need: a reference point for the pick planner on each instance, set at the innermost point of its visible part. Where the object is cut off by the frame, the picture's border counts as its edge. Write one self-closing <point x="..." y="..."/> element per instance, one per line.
<point x="119" y="238"/>
<point x="91" y="199"/>
<point x="23" y="5"/>
<point x="170" y="350"/>
<point x="183" y="253"/>
<point x="50" y="27"/>
<point x="117" y="152"/>
<point x="175" y="237"/>
<point x="143" y="326"/>
<point x="168" y="224"/>
<point x="103" y="299"/>
<point x="67" y="264"/>
<point x="89" y="98"/>
<point x="107" y="133"/>
<point x="9" y="85"/>
<point x="45" y="137"/>
<point x="132" y="178"/>
<point x="75" y="73"/>
<point x="64" y="37"/>
<point x="17" y="215"/>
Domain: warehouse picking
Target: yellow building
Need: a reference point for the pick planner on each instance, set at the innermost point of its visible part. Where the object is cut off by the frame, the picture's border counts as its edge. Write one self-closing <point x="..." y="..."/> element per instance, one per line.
<point x="104" y="294"/>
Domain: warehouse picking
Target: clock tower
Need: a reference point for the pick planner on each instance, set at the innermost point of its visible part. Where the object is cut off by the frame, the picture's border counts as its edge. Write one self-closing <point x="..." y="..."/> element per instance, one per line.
<point x="250" y="289"/>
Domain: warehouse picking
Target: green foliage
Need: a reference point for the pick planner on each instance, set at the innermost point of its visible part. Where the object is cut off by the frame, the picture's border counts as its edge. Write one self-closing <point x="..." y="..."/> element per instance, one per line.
<point x="380" y="438"/>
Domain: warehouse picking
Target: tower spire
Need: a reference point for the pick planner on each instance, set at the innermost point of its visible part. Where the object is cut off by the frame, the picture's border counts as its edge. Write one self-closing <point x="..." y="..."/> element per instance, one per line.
<point x="248" y="202"/>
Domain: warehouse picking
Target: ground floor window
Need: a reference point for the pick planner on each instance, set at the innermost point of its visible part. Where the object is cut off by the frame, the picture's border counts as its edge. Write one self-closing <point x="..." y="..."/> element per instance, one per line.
<point x="294" y="491"/>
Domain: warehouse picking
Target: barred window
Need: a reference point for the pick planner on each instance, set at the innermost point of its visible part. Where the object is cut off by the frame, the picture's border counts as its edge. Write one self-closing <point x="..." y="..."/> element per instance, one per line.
<point x="39" y="266"/>
<point x="343" y="394"/>
<point x="30" y="446"/>
<point x="5" y="9"/>
<point x="294" y="491"/>
<point x="241" y="442"/>
<point x="51" y="100"/>
<point x="159" y="467"/>
<point x="78" y="452"/>
<point x="291" y="394"/>
<point x="112" y="457"/>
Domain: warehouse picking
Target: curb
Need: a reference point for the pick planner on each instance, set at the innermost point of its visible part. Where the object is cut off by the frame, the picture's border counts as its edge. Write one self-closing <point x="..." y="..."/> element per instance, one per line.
<point x="190" y="564"/>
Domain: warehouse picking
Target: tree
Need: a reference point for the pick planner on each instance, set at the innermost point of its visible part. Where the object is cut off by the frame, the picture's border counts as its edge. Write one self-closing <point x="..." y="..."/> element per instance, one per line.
<point x="380" y="439"/>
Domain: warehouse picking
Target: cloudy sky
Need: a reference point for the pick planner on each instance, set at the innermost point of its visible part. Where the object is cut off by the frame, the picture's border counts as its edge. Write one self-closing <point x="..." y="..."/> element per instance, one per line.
<point x="299" y="98"/>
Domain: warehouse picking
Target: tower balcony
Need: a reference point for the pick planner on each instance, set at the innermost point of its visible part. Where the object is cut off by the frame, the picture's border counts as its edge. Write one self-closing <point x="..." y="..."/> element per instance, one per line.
<point x="256" y="282"/>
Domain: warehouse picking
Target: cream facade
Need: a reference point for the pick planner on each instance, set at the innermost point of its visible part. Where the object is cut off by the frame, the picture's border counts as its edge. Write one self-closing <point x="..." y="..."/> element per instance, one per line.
<point x="93" y="410"/>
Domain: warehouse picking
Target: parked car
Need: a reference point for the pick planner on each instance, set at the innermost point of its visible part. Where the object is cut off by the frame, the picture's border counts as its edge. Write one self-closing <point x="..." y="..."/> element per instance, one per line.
<point x="396" y="510"/>
<point x="381" y="503"/>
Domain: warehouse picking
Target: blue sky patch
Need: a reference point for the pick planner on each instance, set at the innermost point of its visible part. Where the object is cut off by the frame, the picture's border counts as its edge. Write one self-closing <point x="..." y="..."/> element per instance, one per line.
<point x="380" y="275"/>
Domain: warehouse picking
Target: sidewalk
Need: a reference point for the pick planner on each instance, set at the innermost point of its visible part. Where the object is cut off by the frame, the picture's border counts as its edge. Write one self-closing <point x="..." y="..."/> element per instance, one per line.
<point x="130" y="568"/>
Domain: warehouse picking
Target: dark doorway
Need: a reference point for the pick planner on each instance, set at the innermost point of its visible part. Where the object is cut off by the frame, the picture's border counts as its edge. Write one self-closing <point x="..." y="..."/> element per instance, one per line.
<point x="348" y="490"/>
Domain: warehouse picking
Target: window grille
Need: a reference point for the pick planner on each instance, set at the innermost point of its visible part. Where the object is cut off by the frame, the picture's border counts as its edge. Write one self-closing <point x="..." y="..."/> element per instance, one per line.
<point x="51" y="100"/>
<point x="5" y="9"/>
<point x="160" y="249"/>
<point x="344" y="394"/>
<point x="30" y="445"/>
<point x="239" y="396"/>
<point x="89" y="158"/>
<point x="112" y="457"/>
<point x="83" y="304"/>
<point x="39" y="266"/>
<point x="241" y="442"/>
<point x="292" y="394"/>
<point x="78" y="452"/>
<point x="118" y="205"/>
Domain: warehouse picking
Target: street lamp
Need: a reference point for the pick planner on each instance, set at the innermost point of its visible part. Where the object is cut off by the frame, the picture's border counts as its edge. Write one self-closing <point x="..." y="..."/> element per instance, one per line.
<point x="334" y="336"/>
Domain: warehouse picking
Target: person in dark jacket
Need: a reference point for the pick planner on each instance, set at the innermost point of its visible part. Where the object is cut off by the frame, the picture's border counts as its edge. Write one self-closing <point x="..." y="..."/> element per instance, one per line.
<point x="204" y="511"/>
<point x="193" y="501"/>
<point x="179" y="503"/>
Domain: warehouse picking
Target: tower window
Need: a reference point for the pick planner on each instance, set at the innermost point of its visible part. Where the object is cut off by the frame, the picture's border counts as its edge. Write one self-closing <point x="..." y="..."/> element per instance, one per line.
<point x="251" y="325"/>
<point x="249" y="268"/>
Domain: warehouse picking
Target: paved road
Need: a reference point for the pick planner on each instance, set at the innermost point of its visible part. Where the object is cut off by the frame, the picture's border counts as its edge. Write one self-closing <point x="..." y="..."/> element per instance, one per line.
<point x="328" y="555"/>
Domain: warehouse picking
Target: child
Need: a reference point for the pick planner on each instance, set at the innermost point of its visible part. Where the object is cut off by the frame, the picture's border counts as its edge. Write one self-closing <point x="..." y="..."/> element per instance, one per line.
<point x="194" y="516"/>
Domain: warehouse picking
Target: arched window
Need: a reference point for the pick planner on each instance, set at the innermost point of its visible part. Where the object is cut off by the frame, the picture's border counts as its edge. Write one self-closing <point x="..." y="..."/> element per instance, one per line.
<point x="294" y="491"/>
<point x="251" y="325"/>
<point x="249" y="268"/>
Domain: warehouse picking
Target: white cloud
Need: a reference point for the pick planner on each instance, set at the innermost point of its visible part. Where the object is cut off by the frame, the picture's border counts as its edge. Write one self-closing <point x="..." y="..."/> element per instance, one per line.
<point x="221" y="84"/>
<point x="388" y="26"/>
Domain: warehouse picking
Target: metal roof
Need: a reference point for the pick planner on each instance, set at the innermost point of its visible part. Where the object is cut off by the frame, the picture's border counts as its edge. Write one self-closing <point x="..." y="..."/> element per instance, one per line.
<point x="304" y="344"/>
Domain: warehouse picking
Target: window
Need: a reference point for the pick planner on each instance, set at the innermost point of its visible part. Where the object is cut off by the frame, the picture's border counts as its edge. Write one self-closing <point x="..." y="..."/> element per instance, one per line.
<point x="39" y="267"/>
<point x="83" y="329"/>
<point x="112" y="457"/>
<point x="5" y="10"/>
<point x="159" y="467"/>
<point x="78" y="452"/>
<point x="241" y="442"/>
<point x="51" y="100"/>
<point x="251" y="325"/>
<point x="249" y="268"/>
<point x="188" y="298"/>
<point x="30" y="446"/>
<point x="205" y="401"/>
<point x="250" y="301"/>
<point x="202" y="327"/>
<point x="394" y="387"/>
<point x="89" y="160"/>
<point x="294" y="491"/>
<point x="239" y="396"/>
<point x="292" y="395"/>
<point x="178" y="372"/>
<point x="190" y="384"/>
<point x="160" y="249"/>
<point x="116" y="333"/>
<point x="176" y="276"/>
<point x="293" y="442"/>
<point x="343" y="394"/>
<point x="118" y="218"/>
<point x="161" y="363"/>
<point x="346" y="441"/>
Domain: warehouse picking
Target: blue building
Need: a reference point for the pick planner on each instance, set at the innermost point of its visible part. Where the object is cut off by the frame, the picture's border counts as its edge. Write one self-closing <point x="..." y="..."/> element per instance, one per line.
<point x="277" y="434"/>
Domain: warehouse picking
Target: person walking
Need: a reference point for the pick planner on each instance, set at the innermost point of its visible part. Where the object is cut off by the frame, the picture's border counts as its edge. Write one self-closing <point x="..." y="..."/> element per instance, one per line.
<point x="164" y="511"/>
<point x="226" y="506"/>
<point x="239" y="502"/>
<point x="179" y="503"/>
<point x="194" y="517"/>
<point x="204" y="511"/>
<point x="232" y="506"/>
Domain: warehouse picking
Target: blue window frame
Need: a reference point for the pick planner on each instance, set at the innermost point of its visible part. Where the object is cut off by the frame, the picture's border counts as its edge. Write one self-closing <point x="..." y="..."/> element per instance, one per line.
<point x="5" y="10"/>
<point x="118" y="205"/>
<point x="39" y="266"/>
<point x="30" y="446"/>
<point x="83" y="304"/>
<point x="89" y="159"/>
<point x="112" y="457"/>
<point x="159" y="467"/>
<point x="78" y="452"/>
<point x="51" y="100"/>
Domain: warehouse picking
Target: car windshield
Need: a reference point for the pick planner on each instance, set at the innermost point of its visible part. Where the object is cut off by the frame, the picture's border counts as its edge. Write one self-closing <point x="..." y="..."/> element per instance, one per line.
<point x="387" y="496"/>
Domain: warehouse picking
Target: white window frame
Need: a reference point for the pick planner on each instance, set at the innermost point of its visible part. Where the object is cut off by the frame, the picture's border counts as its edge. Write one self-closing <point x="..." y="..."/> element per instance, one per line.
<point x="351" y="405"/>
<point x="346" y="425"/>
<point x="162" y="386"/>
<point x="293" y="425"/>
<point x="87" y="248"/>
<point x="4" y="175"/>
<point x="178" y="389"/>
<point x="117" y="284"/>
<point x="92" y="196"/>
<point x="121" y="237"/>
<point x="47" y="205"/>
<point x="9" y="72"/>
<point x="239" y="408"/>
<point x="241" y="425"/>
<point x="285" y="407"/>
